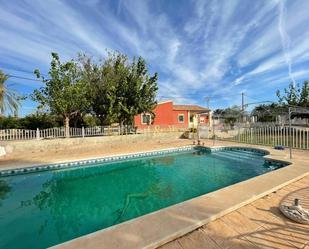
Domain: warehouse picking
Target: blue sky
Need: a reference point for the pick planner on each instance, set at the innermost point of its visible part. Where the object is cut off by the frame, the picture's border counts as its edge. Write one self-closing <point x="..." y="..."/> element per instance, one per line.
<point x="210" y="48"/>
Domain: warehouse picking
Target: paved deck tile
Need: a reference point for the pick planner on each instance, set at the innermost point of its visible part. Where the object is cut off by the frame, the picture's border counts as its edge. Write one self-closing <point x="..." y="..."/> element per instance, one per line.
<point x="240" y="223"/>
<point x="241" y="244"/>
<point x="256" y="215"/>
<point x="173" y="245"/>
<point x="259" y="224"/>
<point x="198" y="239"/>
<point x="225" y="236"/>
<point x="268" y="238"/>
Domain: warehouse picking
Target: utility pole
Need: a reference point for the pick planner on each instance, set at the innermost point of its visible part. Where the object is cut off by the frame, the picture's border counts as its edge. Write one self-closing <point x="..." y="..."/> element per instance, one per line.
<point x="290" y="132"/>
<point x="242" y="106"/>
<point x="207" y="99"/>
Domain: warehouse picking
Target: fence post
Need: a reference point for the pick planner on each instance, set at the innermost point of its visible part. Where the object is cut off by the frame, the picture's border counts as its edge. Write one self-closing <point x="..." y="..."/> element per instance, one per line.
<point x="83" y="132"/>
<point x="37" y="133"/>
<point x="238" y="134"/>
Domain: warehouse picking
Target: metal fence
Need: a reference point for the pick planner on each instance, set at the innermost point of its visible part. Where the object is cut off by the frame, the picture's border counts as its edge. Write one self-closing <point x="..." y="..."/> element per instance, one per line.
<point x="60" y="132"/>
<point x="17" y="134"/>
<point x="271" y="135"/>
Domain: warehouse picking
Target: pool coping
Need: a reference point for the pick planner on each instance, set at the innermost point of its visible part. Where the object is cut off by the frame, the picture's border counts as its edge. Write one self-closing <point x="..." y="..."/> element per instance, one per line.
<point x="159" y="227"/>
<point x="67" y="164"/>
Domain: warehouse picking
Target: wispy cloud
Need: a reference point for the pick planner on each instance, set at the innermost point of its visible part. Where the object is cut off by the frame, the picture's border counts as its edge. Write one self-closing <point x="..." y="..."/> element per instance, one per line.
<point x="205" y="48"/>
<point x="285" y="39"/>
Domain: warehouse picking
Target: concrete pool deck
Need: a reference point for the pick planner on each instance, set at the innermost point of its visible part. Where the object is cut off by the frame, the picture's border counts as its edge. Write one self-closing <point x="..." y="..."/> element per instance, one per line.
<point x="259" y="224"/>
<point x="165" y="225"/>
<point x="83" y="150"/>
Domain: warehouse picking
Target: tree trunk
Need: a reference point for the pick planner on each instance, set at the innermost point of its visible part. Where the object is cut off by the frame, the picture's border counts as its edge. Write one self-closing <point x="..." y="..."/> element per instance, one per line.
<point x="67" y="126"/>
<point x="121" y="127"/>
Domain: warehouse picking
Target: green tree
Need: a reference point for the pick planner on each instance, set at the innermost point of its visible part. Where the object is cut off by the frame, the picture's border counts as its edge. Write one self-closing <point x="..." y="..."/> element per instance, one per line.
<point x="9" y="122"/>
<point x="268" y="112"/>
<point x="103" y="79"/>
<point x="9" y="100"/>
<point x="304" y="95"/>
<point x="90" y="120"/>
<point x="291" y="95"/>
<point x="65" y="92"/>
<point x="136" y="93"/>
<point x="230" y="115"/>
<point x="40" y="120"/>
<point x="120" y="89"/>
<point x="295" y="95"/>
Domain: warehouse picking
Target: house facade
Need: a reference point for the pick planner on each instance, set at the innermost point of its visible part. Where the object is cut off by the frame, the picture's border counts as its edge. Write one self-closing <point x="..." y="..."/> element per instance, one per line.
<point x="169" y="115"/>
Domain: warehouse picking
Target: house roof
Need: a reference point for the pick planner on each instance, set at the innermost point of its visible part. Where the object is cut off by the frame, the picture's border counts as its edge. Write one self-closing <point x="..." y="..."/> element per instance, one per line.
<point x="163" y="102"/>
<point x="189" y="108"/>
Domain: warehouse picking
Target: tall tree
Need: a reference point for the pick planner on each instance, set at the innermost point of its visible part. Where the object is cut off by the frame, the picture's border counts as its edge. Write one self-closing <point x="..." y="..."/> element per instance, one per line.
<point x="122" y="89"/>
<point x="268" y="112"/>
<point x="137" y="92"/>
<point x="290" y="96"/>
<point x="295" y="95"/>
<point x="64" y="92"/>
<point x="104" y="78"/>
<point x="230" y="115"/>
<point x="9" y="99"/>
<point x="304" y="95"/>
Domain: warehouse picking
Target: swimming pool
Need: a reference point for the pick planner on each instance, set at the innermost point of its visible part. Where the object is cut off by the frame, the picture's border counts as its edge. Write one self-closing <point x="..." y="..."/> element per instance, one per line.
<point x="45" y="208"/>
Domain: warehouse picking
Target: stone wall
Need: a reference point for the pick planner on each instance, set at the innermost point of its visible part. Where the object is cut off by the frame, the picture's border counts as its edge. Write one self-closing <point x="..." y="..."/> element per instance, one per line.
<point x="65" y="143"/>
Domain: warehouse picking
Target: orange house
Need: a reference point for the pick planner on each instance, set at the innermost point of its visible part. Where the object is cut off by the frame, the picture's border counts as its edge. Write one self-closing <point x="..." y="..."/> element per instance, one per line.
<point x="167" y="115"/>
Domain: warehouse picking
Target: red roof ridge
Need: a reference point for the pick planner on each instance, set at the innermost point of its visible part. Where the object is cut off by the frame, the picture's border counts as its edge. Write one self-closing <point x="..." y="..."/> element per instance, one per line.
<point x="163" y="102"/>
<point x="190" y="108"/>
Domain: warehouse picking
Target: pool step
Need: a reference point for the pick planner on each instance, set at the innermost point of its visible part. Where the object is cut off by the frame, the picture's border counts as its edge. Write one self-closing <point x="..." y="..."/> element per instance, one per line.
<point x="237" y="157"/>
<point x="245" y="152"/>
<point x="241" y="155"/>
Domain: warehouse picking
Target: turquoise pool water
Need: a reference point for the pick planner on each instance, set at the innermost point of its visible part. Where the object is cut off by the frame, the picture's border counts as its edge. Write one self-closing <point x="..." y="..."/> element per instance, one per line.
<point x="46" y="208"/>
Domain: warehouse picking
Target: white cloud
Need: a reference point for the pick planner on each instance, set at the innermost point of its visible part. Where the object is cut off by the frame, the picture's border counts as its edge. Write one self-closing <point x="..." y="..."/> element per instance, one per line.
<point x="216" y="48"/>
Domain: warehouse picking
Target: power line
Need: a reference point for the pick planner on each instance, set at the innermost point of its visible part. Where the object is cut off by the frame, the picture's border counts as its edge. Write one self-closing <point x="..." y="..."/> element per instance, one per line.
<point x="23" y="71"/>
<point x="22" y="78"/>
<point x="200" y="95"/>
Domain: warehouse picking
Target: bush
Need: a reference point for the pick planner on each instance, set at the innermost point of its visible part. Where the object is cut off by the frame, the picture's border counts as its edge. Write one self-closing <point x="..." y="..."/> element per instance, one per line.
<point x="9" y="122"/>
<point x="90" y="121"/>
<point x="193" y="130"/>
<point x="31" y="122"/>
<point x="185" y="134"/>
<point x="45" y="120"/>
<point x="41" y="121"/>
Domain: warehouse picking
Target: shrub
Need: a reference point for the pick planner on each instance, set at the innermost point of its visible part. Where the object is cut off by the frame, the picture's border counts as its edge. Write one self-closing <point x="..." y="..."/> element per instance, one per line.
<point x="9" y="122"/>
<point x="90" y="120"/>
<point x="31" y="122"/>
<point x="40" y="120"/>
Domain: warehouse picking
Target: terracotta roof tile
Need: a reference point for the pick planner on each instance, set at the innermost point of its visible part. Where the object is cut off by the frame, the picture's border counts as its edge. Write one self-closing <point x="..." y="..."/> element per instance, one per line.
<point x="189" y="108"/>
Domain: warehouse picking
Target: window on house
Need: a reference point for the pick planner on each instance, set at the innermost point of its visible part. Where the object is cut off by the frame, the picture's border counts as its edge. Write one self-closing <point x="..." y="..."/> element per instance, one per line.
<point x="181" y="118"/>
<point x="191" y="119"/>
<point x="146" y="118"/>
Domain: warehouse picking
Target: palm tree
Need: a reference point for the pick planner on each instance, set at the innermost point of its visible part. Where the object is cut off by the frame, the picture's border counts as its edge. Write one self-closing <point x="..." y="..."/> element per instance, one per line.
<point x="9" y="99"/>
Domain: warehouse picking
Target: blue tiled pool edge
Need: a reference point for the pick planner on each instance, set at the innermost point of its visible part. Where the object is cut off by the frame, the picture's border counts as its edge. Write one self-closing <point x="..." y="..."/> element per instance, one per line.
<point x="71" y="164"/>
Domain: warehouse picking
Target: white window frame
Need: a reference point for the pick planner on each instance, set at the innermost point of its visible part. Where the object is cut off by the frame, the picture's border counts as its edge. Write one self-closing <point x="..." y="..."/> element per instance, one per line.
<point x="142" y="120"/>
<point x="183" y="115"/>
